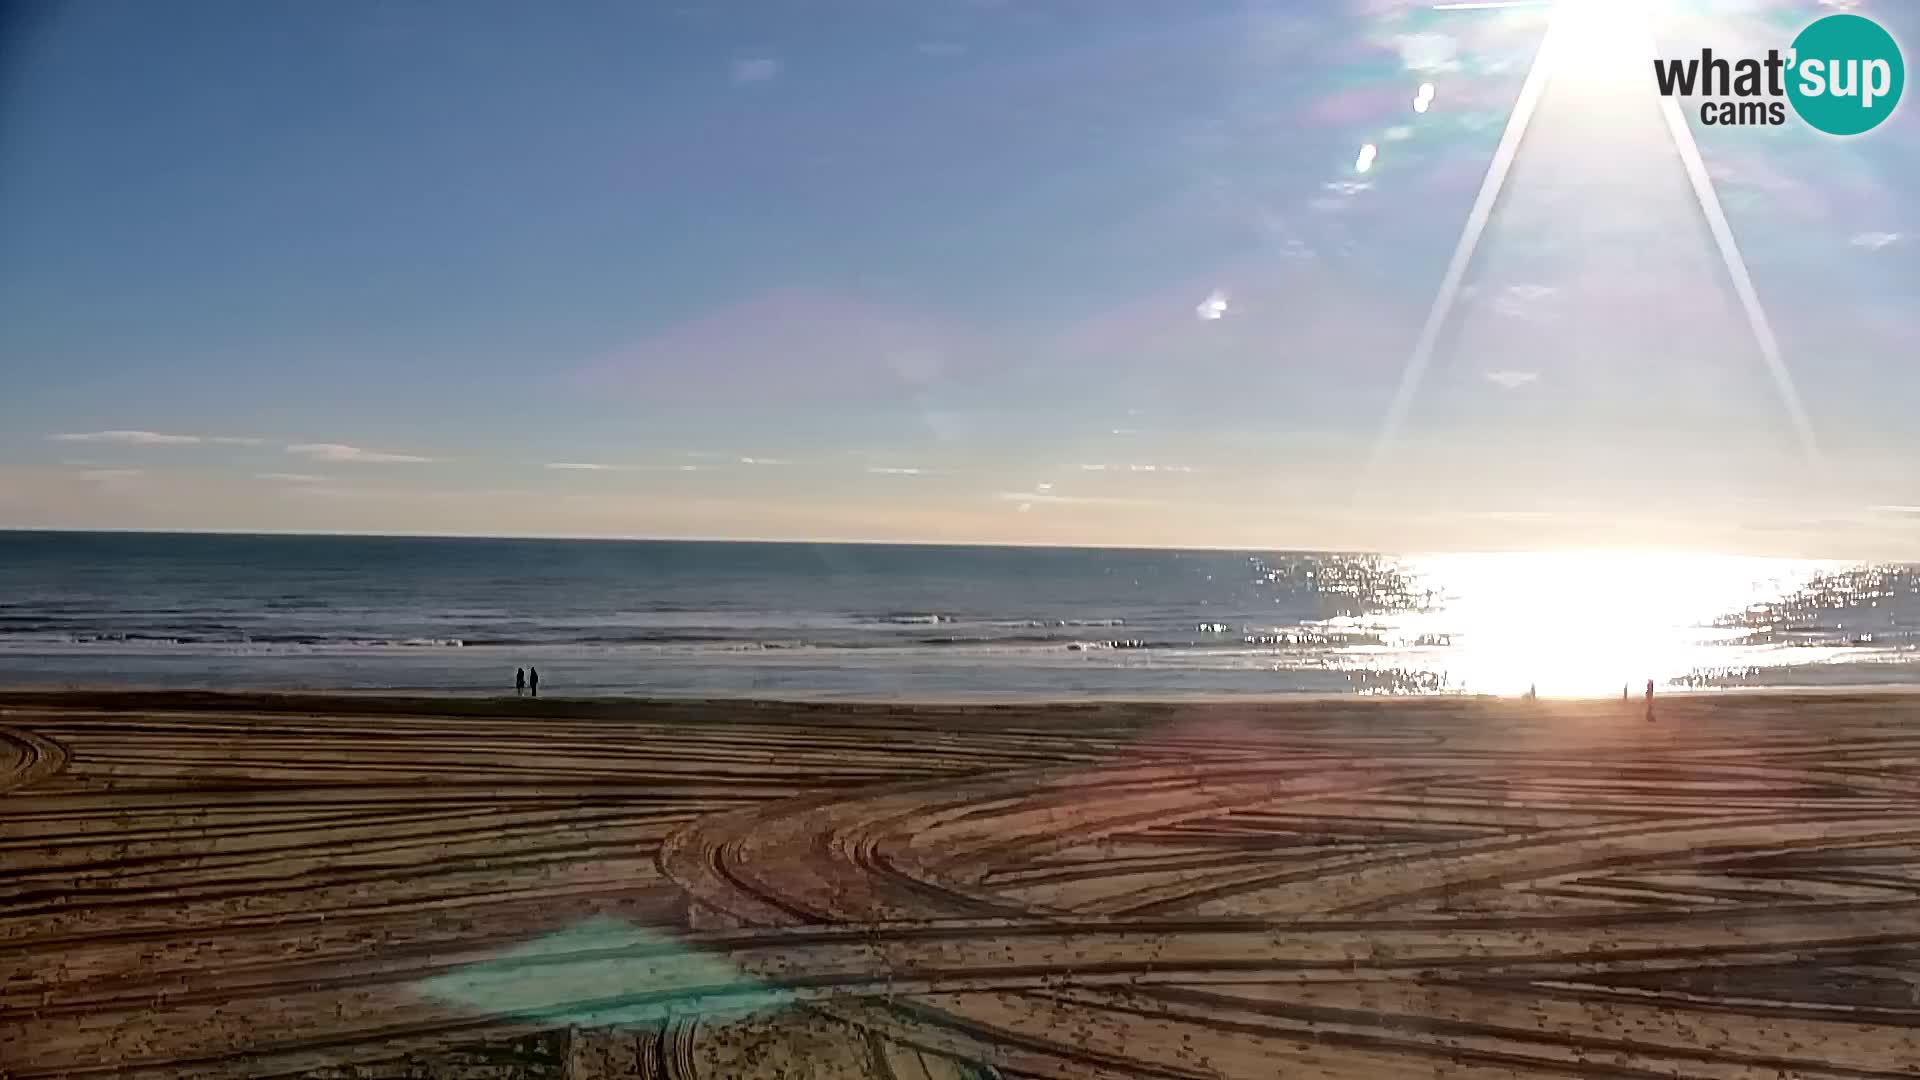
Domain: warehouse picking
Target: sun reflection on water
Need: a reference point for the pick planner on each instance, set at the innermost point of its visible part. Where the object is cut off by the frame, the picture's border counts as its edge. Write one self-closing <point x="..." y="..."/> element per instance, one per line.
<point x="1581" y="624"/>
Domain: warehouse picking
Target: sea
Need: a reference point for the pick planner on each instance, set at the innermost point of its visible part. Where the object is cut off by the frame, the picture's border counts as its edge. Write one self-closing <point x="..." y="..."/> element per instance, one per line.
<point x="869" y="621"/>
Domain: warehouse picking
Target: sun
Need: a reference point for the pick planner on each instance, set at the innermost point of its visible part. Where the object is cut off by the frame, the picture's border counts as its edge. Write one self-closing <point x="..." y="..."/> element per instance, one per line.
<point x="1601" y="45"/>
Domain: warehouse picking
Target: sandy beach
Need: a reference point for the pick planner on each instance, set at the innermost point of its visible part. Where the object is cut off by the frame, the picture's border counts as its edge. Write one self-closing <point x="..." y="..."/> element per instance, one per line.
<point x="217" y="885"/>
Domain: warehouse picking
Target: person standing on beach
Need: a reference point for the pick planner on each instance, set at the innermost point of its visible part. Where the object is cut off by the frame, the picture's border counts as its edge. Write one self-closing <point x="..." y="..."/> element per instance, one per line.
<point x="533" y="682"/>
<point x="1649" y="701"/>
<point x="519" y="681"/>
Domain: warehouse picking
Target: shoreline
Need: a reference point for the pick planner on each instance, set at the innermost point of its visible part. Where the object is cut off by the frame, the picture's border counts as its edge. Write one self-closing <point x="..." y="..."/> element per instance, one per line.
<point x="399" y="700"/>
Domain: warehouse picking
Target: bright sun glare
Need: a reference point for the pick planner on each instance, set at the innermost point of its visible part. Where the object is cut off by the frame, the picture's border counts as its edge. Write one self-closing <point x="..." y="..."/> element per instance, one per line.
<point x="1584" y="624"/>
<point x="1601" y="43"/>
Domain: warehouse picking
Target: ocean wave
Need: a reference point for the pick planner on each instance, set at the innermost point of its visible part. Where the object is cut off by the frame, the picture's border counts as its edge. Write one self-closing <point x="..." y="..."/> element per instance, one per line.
<point x="909" y="619"/>
<point x="289" y="640"/>
<point x="1029" y="645"/>
<point x="1321" y="639"/>
<point x="356" y="642"/>
<point x="1832" y="638"/>
<point x="21" y="624"/>
<point x="1035" y="635"/>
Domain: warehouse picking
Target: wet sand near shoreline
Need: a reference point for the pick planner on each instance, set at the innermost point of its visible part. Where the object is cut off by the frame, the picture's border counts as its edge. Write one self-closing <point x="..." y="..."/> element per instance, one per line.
<point x="365" y="886"/>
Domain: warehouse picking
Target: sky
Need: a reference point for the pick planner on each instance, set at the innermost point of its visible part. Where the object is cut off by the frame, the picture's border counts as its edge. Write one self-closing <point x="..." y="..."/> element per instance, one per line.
<point x="1113" y="273"/>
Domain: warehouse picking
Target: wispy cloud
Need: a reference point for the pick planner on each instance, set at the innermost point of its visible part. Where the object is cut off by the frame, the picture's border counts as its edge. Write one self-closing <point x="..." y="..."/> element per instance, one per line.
<point x="290" y="477"/>
<point x="1134" y="467"/>
<point x="754" y="69"/>
<point x="1340" y="194"/>
<point x="130" y="438"/>
<point x="1533" y="303"/>
<point x="1898" y="511"/>
<point x="764" y="461"/>
<point x="1428" y="52"/>
<point x="127" y="437"/>
<point x="1512" y="380"/>
<point x="112" y="474"/>
<point x="603" y="466"/>
<point x="1054" y="498"/>
<point x="1874" y="241"/>
<point x="340" y="452"/>
<point x="895" y="470"/>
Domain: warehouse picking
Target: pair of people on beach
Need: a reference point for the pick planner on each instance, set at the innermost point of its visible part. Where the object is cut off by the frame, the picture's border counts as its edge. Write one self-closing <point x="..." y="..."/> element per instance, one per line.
<point x="525" y="680"/>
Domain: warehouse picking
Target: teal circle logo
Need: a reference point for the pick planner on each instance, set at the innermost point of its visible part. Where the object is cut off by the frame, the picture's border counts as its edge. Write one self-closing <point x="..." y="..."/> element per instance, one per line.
<point x="1847" y="74"/>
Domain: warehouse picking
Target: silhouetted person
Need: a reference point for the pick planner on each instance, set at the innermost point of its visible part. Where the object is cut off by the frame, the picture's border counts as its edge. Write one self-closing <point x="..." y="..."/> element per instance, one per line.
<point x="1623" y="691"/>
<point x="1649" y="701"/>
<point x="519" y="681"/>
<point x="1533" y="692"/>
<point x="533" y="683"/>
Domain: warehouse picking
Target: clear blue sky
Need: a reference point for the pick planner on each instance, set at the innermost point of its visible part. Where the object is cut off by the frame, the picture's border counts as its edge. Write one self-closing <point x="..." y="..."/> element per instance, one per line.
<point x="932" y="270"/>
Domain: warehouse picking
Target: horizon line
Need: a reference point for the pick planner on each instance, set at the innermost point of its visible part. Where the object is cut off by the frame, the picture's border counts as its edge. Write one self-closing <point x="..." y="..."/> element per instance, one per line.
<point x="1410" y="553"/>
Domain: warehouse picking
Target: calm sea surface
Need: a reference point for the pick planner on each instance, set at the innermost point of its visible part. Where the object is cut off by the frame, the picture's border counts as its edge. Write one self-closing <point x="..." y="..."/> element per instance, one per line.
<point x="617" y="617"/>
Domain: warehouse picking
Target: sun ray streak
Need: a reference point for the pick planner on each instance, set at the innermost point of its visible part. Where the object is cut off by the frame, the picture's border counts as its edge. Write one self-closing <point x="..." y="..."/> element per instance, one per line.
<point x="1539" y="76"/>
<point x="1737" y="270"/>
<point x="1530" y="92"/>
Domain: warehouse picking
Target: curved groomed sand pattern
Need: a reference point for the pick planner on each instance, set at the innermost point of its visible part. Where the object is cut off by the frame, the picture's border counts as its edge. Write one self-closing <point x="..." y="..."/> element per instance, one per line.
<point x="359" y="887"/>
<point x="26" y="758"/>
